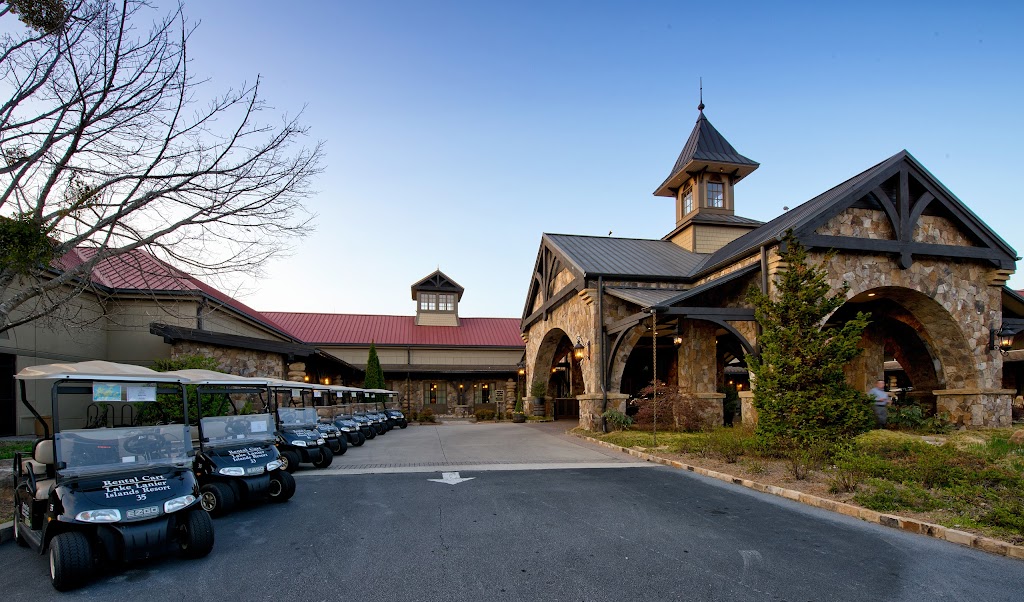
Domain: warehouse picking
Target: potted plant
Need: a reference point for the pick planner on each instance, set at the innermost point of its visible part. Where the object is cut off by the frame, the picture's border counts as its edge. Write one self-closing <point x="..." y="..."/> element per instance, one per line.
<point x="518" y="416"/>
<point x="538" y="391"/>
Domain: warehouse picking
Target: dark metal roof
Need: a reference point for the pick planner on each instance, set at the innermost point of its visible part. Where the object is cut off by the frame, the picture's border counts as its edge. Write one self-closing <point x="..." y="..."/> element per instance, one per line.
<point x="644" y="297"/>
<point x="693" y="292"/>
<point x="706" y="145"/>
<point x="627" y="257"/>
<point x="721" y="218"/>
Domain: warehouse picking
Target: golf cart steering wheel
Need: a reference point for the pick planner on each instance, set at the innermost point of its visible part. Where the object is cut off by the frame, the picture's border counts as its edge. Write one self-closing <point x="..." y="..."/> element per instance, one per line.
<point x="237" y="427"/>
<point x="146" y="443"/>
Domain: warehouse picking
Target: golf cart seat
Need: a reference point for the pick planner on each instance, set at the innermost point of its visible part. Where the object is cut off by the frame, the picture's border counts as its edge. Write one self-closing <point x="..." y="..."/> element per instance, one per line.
<point x="41" y="465"/>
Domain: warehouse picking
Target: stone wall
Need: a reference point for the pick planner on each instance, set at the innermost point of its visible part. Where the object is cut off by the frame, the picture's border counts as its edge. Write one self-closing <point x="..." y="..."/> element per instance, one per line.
<point x="242" y="362"/>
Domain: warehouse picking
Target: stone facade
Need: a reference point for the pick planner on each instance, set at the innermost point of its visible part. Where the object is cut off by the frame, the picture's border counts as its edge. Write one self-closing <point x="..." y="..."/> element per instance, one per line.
<point x="976" y="407"/>
<point x="242" y="362"/>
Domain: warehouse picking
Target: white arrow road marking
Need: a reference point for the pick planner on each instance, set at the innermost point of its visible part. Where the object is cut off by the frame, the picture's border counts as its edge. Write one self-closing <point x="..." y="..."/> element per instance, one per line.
<point x="452" y="478"/>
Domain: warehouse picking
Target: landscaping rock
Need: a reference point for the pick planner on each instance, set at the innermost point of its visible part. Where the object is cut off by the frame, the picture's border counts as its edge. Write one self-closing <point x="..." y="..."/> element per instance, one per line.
<point x="1017" y="438"/>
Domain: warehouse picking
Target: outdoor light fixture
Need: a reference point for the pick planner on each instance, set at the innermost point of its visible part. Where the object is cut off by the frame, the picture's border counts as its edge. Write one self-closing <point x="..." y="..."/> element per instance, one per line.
<point x="522" y="368"/>
<point x="1001" y="339"/>
<point x="305" y="378"/>
<point x="677" y="340"/>
<point x="578" y="349"/>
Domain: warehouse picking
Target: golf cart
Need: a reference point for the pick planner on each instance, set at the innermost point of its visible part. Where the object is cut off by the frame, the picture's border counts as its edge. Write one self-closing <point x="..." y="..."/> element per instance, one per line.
<point x="368" y="410"/>
<point x="96" y="497"/>
<point x="331" y="433"/>
<point x="236" y="457"/>
<point x="387" y="404"/>
<point x="341" y="415"/>
<point x="298" y="439"/>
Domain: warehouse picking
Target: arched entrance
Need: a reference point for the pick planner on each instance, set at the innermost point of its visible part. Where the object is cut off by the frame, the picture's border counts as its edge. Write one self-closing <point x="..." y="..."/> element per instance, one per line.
<point x="561" y="374"/>
<point x="914" y="341"/>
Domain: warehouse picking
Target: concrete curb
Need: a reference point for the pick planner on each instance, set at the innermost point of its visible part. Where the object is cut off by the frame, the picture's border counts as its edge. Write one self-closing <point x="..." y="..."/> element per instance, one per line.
<point x="986" y="544"/>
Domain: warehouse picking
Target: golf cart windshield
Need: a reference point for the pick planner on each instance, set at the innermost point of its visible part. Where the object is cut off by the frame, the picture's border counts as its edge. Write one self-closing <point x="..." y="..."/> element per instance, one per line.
<point x="231" y="430"/>
<point x="298" y="417"/>
<point x="393" y="405"/>
<point x="91" y="451"/>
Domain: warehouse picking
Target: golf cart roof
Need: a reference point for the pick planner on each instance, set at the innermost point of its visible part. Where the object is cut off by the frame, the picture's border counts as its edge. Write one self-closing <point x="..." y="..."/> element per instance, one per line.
<point x="387" y="391"/>
<point x="278" y="383"/>
<point x="196" y="376"/>
<point x="97" y="370"/>
<point x="344" y="389"/>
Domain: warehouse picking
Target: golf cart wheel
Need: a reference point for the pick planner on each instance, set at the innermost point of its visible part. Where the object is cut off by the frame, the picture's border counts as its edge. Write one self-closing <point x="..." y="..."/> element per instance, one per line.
<point x="334" y="445"/>
<point x="282" y="486"/>
<point x="195" y="533"/>
<point x="379" y="429"/>
<point x="370" y="433"/>
<point x="291" y="460"/>
<point x="70" y="560"/>
<point x="342" y="447"/>
<point x="216" y="498"/>
<point x="18" y="537"/>
<point x="360" y="438"/>
<point x="404" y="423"/>
<point x="325" y="459"/>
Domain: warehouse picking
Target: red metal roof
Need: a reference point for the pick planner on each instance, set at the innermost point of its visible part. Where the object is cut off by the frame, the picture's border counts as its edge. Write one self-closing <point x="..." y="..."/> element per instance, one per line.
<point x="139" y="271"/>
<point x="354" y="329"/>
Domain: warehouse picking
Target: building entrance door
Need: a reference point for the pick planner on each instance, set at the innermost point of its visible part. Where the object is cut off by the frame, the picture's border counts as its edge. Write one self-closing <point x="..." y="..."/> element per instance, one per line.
<point x="567" y="408"/>
<point x="8" y="409"/>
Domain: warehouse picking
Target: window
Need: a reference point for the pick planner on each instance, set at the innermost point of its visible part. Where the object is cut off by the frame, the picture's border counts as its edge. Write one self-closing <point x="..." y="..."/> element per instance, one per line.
<point x="688" y="201"/>
<point x="434" y="393"/>
<point x="446" y="302"/>
<point x="716" y="197"/>
<point x="428" y="301"/>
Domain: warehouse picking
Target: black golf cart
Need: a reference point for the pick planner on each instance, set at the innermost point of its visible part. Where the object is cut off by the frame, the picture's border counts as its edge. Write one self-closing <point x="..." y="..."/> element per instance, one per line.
<point x="387" y="405"/>
<point x="341" y="415"/>
<point x="320" y="398"/>
<point x="96" y="497"/>
<point x="298" y="439"/>
<point x="236" y="457"/>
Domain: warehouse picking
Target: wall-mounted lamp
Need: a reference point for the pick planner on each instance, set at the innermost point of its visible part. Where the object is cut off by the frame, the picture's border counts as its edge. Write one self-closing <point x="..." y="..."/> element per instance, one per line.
<point x="1001" y="339"/>
<point x="522" y="368"/>
<point x="677" y="340"/>
<point x="305" y="378"/>
<point x="578" y="350"/>
<point x="327" y="381"/>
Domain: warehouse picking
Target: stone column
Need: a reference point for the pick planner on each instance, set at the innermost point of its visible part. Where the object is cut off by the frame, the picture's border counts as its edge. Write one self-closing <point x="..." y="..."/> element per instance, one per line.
<point x="749" y="413"/>
<point x="698" y="369"/>
<point x="591" y="408"/>
<point x="296" y="372"/>
<point x="510" y="397"/>
<point x="976" y="407"/>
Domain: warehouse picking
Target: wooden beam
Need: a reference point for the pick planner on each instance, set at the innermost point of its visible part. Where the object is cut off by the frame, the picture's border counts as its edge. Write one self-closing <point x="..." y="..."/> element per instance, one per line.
<point x="738" y="314"/>
<point x="870" y="245"/>
<point x="627" y="322"/>
<point x="573" y="287"/>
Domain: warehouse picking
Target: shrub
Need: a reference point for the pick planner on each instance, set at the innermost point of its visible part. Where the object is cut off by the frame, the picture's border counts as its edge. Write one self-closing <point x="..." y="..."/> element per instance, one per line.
<point x="427" y="415"/>
<point x="887" y="496"/>
<point x="728" y="443"/>
<point x="674" y="409"/>
<point x="617" y="420"/>
<point x="539" y="389"/>
<point x="801" y="392"/>
<point x="484" y="414"/>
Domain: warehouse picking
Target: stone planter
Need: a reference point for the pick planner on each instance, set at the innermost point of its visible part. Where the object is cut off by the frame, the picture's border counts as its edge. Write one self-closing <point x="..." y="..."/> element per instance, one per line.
<point x="518" y="418"/>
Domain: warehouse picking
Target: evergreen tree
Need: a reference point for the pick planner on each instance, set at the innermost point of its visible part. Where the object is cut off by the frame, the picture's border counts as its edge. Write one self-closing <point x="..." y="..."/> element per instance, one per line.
<point x="801" y="394"/>
<point x="374" y="373"/>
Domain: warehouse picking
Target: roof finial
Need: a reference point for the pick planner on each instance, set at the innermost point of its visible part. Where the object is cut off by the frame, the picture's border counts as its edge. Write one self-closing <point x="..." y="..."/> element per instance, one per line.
<point x="700" y="107"/>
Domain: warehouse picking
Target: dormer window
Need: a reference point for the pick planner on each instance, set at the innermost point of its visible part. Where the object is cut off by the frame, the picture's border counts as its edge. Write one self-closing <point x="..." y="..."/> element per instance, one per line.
<point x="687" y="201"/>
<point x="446" y="302"/>
<point x="428" y="301"/>
<point x="716" y="196"/>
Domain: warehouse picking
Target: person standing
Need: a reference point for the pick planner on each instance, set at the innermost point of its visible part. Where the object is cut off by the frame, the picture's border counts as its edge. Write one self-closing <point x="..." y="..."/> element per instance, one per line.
<point x="881" y="402"/>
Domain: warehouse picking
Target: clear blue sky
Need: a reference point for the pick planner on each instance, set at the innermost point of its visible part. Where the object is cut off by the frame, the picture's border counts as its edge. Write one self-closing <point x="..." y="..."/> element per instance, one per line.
<point x="457" y="132"/>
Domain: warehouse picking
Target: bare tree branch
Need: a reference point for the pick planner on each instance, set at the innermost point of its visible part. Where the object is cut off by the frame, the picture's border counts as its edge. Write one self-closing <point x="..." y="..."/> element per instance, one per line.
<point x="104" y="144"/>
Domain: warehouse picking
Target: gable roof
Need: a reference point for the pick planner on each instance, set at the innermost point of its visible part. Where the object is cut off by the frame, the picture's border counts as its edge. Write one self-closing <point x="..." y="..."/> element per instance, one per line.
<point x="438" y="282"/>
<point x="625" y="257"/>
<point x="139" y="272"/>
<point x="354" y="329"/>
<point x="806" y="216"/>
<point x="705" y="147"/>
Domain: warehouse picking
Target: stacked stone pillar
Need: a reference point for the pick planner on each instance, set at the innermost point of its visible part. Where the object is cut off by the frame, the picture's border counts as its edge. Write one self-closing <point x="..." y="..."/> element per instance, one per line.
<point x="697" y="373"/>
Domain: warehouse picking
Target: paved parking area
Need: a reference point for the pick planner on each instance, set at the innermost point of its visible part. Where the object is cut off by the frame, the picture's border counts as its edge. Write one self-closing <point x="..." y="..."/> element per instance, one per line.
<point x="467" y="446"/>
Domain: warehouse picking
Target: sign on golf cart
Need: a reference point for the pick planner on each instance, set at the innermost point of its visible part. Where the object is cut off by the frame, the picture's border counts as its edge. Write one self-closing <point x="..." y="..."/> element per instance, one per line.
<point x="140" y="487"/>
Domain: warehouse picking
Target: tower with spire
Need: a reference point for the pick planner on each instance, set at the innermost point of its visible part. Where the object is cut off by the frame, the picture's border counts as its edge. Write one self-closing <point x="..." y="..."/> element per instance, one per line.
<point x="702" y="182"/>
